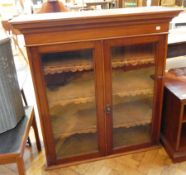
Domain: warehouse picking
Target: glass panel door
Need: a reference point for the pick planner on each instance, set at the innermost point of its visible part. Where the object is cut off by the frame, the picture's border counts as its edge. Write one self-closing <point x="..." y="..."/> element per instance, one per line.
<point x="70" y="89"/>
<point x="132" y="88"/>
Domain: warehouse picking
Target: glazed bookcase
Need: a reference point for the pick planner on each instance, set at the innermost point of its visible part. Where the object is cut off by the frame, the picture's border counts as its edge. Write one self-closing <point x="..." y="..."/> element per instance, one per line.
<point x="98" y="78"/>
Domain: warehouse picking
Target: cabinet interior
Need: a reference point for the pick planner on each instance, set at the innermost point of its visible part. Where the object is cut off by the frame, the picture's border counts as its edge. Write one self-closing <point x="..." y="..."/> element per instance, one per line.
<point x="76" y="145"/>
<point x="135" y="135"/>
<point x="70" y="90"/>
<point x="136" y="105"/>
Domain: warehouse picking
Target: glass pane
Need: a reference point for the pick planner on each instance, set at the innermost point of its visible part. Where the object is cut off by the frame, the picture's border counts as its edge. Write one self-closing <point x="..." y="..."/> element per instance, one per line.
<point x="69" y="78"/>
<point x="132" y="83"/>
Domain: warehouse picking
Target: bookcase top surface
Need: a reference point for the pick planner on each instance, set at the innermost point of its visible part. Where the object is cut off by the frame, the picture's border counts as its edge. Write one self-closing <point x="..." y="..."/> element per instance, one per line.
<point x="177" y="83"/>
<point x="93" y="17"/>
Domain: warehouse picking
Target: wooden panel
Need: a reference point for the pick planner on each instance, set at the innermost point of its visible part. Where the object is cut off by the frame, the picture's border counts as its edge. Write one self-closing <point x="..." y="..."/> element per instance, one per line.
<point x="108" y="96"/>
<point x="42" y="103"/>
<point x="57" y="47"/>
<point x="171" y="118"/>
<point x="161" y="48"/>
<point x="100" y="86"/>
<point x="174" y="114"/>
<point x="94" y="34"/>
<point x="91" y="19"/>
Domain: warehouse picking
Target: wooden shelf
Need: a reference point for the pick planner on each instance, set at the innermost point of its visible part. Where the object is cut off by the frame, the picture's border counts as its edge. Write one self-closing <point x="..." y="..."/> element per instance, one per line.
<point x="77" y="119"/>
<point x="137" y="82"/>
<point x="84" y="143"/>
<point x="132" y="55"/>
<point x="124" y="114"/>
<point x="119" y="63"/>
<point x="87" y="142"/>
<point x="124" y="137"/>
<point x="73" y="119"/>
<point x="76" y="62"/>
<point x="79" y="89"/>
<point x="71" y="63"/>
<point x="68" y="61"/>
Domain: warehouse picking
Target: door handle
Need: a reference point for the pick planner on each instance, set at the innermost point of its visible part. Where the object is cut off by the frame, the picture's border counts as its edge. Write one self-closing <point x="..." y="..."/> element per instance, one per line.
<point x="108" y="109"/>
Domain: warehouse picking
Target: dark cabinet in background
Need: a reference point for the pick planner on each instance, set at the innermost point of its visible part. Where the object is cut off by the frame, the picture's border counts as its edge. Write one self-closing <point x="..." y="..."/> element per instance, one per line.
<point x="174" y="114"/>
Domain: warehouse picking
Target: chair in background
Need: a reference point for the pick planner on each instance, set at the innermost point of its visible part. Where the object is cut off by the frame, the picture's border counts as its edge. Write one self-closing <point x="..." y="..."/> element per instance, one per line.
<point x="12" y="142"/>
<point x="16" y="117"/>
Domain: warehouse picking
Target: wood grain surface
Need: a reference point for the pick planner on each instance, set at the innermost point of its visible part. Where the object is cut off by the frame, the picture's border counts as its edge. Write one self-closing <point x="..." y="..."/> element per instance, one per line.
<point x="152" y="162"/>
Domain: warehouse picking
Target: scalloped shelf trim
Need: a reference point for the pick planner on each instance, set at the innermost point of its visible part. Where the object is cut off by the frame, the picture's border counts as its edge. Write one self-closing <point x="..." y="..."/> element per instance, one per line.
<point x="115" y="64"/>
<point x="82" y="100"/>
<point x="93" y="129"/>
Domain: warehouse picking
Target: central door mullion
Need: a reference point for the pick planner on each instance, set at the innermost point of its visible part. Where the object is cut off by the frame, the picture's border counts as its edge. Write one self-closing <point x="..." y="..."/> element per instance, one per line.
<point x="108" y="97"/>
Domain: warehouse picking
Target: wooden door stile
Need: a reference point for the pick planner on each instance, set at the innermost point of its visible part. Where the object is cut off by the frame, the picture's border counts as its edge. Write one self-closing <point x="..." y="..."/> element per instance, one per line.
<point x="40" y="90"/>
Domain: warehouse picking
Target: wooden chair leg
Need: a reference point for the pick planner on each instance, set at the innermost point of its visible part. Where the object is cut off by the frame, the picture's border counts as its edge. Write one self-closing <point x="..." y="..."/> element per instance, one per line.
<point x="38" y="143"/>
<point x="24" y="98"/>
<point x="20" y="166"/>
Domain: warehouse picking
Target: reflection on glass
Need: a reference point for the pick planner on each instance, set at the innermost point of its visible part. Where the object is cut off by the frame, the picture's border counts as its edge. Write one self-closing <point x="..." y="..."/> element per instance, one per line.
<point x="132" y="84"/>
<point x="70" y="91"/>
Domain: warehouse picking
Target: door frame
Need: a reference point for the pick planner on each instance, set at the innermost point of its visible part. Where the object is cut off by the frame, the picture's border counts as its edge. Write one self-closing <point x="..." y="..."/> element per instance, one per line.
<point x="160" y="58"/>
<point x="40" y="89"/>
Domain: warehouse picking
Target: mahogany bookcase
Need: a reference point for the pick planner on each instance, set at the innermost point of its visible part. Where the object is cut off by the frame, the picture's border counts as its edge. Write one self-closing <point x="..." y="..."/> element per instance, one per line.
<point x="98" y="78"/>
